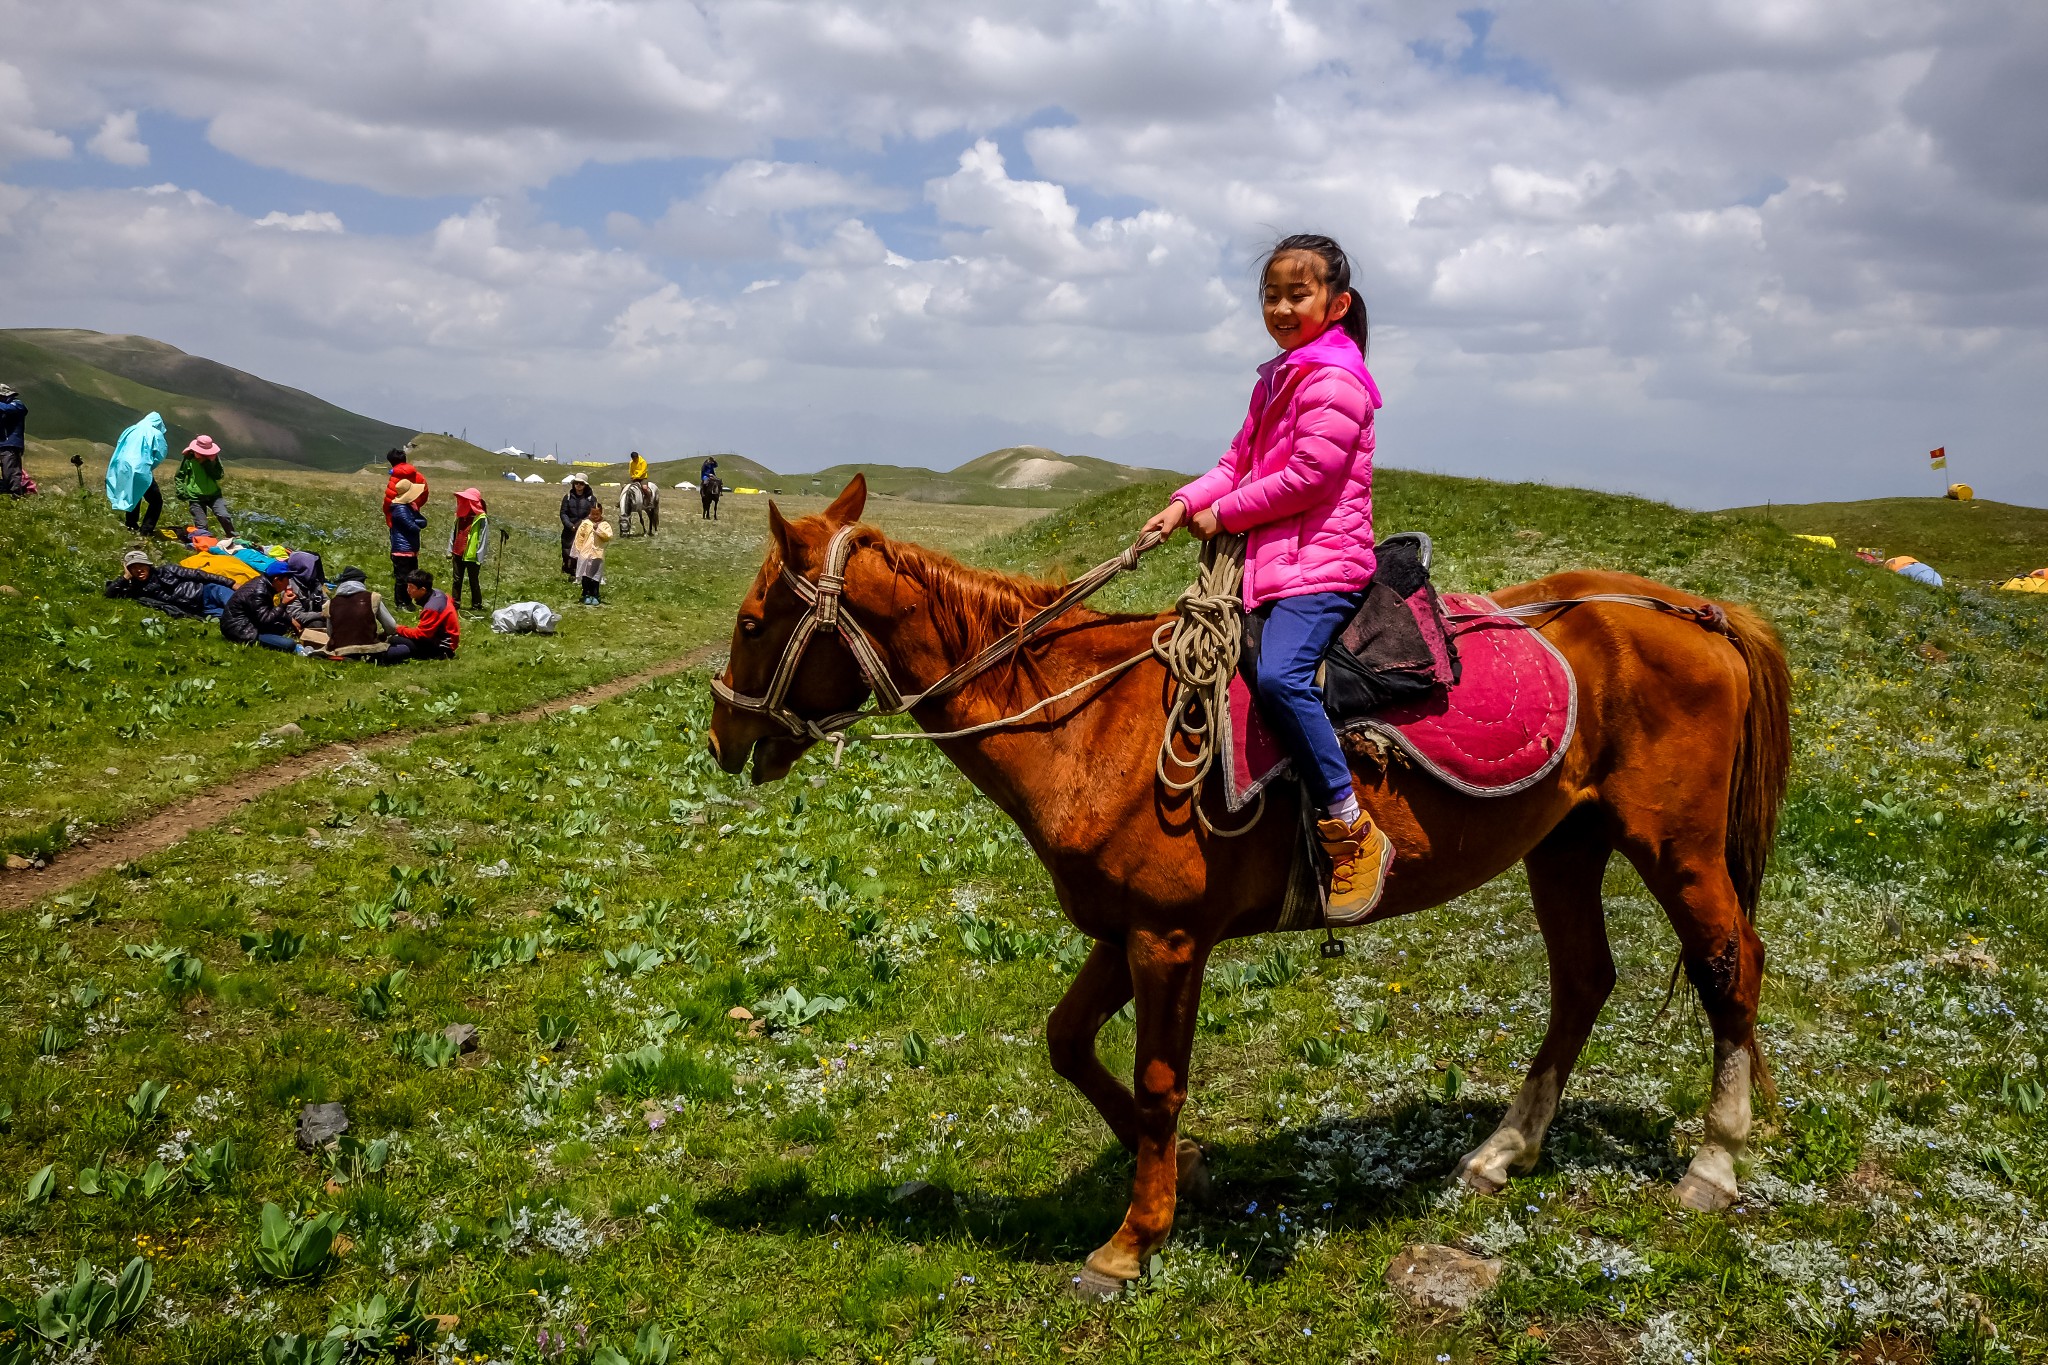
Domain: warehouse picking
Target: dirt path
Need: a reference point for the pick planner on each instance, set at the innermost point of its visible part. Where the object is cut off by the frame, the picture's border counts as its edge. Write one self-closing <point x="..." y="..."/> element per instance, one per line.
<point x="109" y="848"/>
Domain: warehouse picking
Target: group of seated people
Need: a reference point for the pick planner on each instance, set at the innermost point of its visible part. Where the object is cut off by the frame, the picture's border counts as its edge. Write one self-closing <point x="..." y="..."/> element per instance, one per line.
<point x="289" y="608"/>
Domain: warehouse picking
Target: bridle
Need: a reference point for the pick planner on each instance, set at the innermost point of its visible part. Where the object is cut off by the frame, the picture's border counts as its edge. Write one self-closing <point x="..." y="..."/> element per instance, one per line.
<point x="821" y="614"/>
<point x="824" y="613"/>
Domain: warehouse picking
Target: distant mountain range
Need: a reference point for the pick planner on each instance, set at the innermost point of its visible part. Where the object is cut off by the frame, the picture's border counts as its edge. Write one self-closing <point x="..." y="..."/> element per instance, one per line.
<point x="93" y="384"/>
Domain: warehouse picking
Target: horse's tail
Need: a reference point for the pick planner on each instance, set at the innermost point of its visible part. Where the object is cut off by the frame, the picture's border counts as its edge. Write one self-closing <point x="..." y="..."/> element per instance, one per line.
<point x="1763" y="755"/>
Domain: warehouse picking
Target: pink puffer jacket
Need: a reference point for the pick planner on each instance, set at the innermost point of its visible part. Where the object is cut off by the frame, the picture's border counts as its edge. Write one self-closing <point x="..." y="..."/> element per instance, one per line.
<point x="1298" y="478"/>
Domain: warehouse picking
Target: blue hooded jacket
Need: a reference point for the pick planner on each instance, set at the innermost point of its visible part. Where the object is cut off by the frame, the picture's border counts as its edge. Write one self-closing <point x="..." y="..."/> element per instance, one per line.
<point x="133" y="464"/>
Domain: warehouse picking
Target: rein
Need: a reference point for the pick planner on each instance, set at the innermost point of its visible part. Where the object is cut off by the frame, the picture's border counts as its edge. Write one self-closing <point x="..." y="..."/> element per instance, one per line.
<point x="822" y="613"/>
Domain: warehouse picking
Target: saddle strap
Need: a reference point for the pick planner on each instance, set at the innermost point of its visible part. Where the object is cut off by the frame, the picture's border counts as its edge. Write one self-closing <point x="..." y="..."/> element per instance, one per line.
<point x="1708" y="615"/>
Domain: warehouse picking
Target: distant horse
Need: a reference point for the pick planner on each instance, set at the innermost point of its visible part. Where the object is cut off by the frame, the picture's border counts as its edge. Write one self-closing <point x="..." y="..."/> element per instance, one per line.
<point x="639" y="497"/>
<point x="1679" y="763"/>
<point x="708" y="492"/>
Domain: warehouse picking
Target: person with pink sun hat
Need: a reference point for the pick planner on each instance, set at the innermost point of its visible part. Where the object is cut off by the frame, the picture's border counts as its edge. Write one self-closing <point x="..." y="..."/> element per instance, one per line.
<point x="198" y="484"/>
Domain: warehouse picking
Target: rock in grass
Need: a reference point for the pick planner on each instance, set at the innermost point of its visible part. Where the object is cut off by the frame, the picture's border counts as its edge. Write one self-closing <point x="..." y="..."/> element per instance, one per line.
<point x="462" y="1035"/>
<point x="479" y="717"/>
<point x="320" y="1124"/>
<point x="1443" y="1278"/>
<point x="285" y="731"/>
<point x="9" y="590"/>
<point x="912" y="1190"/>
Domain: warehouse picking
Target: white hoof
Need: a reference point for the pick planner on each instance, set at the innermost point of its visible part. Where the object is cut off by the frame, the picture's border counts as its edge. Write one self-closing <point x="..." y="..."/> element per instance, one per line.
<point x="1702" y="1195"/>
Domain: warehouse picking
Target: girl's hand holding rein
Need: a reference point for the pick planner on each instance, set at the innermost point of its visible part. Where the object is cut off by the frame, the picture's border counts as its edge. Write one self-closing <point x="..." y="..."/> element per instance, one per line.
<point x="1167" y="520"/>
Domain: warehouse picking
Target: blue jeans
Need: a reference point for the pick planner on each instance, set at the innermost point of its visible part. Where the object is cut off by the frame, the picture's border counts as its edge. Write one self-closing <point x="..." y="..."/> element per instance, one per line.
<point x="283" y="643"/>
<point x="216" y="598"/>
<point x="1297" y="631"/>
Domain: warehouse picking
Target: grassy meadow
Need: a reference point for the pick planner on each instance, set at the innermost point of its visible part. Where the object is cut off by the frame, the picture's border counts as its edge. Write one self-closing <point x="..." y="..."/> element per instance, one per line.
<point x="109" y="709"/>
<point x="1978" y="542"/>
<point x="880" y="1164"/>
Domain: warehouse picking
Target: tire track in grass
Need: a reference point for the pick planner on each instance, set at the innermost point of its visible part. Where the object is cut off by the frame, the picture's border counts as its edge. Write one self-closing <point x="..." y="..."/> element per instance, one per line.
<point x="108" y="849"/>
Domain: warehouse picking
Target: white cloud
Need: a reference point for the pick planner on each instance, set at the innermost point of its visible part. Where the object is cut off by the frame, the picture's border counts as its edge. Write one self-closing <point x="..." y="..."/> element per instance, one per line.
<point x="312" y="220"/>
<point x="1676" y="248"/>
<point x="20" y="135"/>
<point x="119" y="141"/>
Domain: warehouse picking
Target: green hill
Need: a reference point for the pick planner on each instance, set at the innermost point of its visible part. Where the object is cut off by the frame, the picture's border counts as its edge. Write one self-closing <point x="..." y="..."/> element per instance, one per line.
<point x="1975" y="541"/>
<point x="92" y="384"/>
<point x="1017" y="476"/>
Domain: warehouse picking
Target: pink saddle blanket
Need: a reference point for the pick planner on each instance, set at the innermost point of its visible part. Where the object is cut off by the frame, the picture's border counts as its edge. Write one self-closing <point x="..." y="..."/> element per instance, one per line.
<point x="1501" y="728"/>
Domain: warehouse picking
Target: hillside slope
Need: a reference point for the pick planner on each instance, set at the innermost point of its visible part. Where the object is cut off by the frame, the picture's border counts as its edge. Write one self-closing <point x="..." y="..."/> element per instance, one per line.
<point x="92" y="384"/>
<point x="1017" y="476"/>
<point x="1979" y="541"/>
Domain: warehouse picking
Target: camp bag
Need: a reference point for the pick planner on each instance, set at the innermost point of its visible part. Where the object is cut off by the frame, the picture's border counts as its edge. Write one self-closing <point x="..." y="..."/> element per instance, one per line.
<point x="1396" y="648"/>
<point x="522" y="618"/>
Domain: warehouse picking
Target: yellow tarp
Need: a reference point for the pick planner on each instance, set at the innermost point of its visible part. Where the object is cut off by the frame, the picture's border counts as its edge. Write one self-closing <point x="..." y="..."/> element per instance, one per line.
<point x="2025" y="585"/>
<point x="592" y="464"/>
<point x="1828" y="541"/>
<point x="227" y="566"/>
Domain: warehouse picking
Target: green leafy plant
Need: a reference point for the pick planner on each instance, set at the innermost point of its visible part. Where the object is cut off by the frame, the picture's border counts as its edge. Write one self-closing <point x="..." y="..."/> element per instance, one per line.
<point x="210" y="1168"/>
<point x="279" y="945"/>
<point x="379" y="1328"/>
<point x="183" y="975"/>
<point x="146" y="1105"/>
<point x="53" y="1040"/>
<point x="650" y="1346"/>
<point x="430" y="1049"/>
<point x="87" y="1309"/>
<point x="635" y="959"/>
<point x="350" y="1160"/>
<point x="289" y="1248"/>
<point x="40" y="1187"/>
<point x="555" y="1031"/>
<point x="793" y="1009"/>
<point x="376" y="1000"/>
<point x="372" y="915"/>
<point x="289" y="1348"/>
<point x="916" y="1050"/>
<point x="1372" y="1019"/>
<point x="1318" y="1052"/>
<point x="86" y="994"/>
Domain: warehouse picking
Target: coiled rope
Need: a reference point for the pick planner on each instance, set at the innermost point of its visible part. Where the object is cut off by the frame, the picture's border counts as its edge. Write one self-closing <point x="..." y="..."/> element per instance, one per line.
<point x="1201" y="647"/>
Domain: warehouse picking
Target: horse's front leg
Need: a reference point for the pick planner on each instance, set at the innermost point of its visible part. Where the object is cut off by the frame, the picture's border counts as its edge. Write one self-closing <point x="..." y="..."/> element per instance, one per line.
<point x="1165" y="972"/>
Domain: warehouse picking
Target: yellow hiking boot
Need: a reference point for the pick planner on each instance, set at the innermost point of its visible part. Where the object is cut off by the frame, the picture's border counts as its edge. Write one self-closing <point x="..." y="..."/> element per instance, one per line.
<point x="1360" y="854"/>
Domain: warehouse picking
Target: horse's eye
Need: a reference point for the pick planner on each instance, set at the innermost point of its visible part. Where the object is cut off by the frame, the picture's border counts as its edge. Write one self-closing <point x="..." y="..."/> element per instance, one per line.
<point x="749" y="626"/>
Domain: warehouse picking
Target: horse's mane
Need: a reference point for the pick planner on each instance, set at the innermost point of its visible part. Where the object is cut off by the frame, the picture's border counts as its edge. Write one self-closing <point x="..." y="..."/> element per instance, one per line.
<point x="972" y="608"/>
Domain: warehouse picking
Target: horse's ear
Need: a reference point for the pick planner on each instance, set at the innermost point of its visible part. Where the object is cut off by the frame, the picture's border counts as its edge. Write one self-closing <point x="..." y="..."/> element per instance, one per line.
<point x="778" y="528"/>
<point x="846" y="508"/>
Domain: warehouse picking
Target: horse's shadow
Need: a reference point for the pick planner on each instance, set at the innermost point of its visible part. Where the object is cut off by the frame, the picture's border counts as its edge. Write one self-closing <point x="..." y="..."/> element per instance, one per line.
<point x="1362" y="1172"/>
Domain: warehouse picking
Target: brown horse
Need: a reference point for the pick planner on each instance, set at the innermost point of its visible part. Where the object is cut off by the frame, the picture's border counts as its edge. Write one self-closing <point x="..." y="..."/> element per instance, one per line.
<point x="1679" y="762"/>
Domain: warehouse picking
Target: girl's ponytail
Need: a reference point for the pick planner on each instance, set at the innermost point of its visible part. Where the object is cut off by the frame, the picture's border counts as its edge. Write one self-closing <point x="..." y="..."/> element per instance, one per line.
<point x="1336" y="274"/>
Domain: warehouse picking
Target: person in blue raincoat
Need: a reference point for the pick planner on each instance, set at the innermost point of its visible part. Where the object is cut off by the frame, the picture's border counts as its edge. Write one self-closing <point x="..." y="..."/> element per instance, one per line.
<point x="131" y="473"/>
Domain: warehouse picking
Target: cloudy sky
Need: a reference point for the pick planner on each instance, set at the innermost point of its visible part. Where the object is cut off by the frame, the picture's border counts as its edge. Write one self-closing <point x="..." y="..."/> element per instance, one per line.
<point x="1715" y="252"/>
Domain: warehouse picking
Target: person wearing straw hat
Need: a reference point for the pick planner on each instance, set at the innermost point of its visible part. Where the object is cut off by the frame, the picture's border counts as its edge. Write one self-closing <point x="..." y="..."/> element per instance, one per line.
<point x="469" y="541"/>
<point x="198" y="483"/>
<point x="407" y="524"/>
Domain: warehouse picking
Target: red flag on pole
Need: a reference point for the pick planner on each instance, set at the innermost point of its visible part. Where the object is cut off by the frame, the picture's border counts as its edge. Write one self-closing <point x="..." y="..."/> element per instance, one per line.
<point x="1937" y="458"/>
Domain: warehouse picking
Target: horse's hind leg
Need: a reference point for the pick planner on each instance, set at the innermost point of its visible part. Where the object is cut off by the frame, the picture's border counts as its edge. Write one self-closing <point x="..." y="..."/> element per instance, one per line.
<point x="1565" y="871"/>
<point x="1724" y="959"/>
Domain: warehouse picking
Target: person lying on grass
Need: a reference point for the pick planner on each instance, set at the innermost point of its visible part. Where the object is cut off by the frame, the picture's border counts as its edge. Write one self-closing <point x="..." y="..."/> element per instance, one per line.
<point x="439" y="632"/>
<point x="258" y="613"/>
<point x="170" y="588"/>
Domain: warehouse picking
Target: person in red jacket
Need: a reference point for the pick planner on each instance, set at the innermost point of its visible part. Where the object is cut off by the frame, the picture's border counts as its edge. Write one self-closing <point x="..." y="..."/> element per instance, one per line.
<point x="402" y="471"/>
<point x="438" y="633"/>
